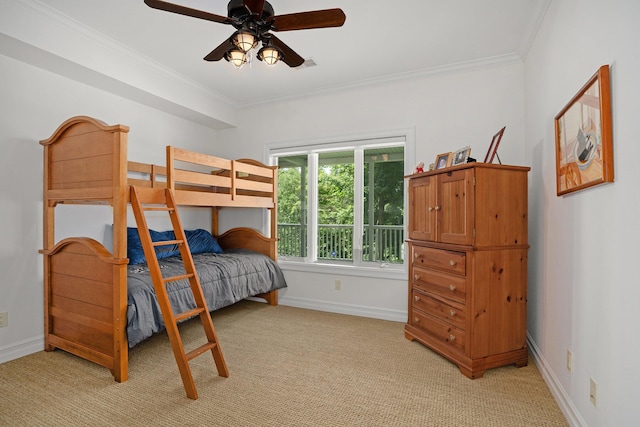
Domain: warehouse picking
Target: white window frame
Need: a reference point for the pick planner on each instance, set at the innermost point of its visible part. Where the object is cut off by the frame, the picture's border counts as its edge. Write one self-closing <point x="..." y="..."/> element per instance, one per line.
<point x="357" y="143"/>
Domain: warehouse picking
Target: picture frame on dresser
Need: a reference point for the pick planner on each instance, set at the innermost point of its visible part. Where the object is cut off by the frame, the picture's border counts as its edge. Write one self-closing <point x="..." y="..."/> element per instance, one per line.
<point x="443" y="160"/>
<point x="492" y="152"/>
<point x="460" y="156"/>
<point x="583" y="133"/>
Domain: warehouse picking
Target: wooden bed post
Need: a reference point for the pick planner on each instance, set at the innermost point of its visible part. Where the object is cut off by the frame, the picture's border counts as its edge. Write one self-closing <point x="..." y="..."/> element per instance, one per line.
<point x="48" y="241"/>
<point x="274" y="214"/>
<point x="120" y="197"/>
<point x="170" y="165"/>
<point x="215" y="230"/>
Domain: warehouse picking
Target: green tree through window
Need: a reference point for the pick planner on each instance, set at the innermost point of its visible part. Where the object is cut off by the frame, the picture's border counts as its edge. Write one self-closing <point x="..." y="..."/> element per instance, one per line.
<point x="372" y="178"/>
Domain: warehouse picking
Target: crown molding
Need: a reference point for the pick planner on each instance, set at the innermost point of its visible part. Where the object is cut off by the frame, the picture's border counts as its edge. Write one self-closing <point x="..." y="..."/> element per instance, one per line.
<point x="466" y="66"/>
<point x="531" y="32"/>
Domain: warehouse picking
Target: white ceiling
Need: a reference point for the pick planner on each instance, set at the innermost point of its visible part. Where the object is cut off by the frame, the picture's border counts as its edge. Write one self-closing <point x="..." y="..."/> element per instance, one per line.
<point x="380" y="41"/>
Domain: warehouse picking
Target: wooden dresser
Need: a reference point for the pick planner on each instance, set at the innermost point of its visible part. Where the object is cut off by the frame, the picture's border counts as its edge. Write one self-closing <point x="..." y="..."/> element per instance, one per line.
<point x="468" y="264"/>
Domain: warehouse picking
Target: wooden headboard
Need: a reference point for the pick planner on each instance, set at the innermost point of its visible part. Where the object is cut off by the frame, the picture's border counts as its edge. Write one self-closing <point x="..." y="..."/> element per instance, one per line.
<point x="85" y="160"/>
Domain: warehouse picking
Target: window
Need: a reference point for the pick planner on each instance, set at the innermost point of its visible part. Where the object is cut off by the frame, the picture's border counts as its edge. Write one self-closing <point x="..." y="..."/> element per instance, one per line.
<point x="342" y="203"/>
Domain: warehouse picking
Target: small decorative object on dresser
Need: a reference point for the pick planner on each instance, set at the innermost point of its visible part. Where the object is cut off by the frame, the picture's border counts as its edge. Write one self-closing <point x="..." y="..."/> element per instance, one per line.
<point x="468" y="265"/>
<point x="419" y="168"/>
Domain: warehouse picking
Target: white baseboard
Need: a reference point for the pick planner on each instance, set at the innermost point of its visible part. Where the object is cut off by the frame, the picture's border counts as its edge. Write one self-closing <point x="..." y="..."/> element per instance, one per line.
<point x="23" y="348"/>
<point x="564" y="401"/>
<point x="354" y="310"/>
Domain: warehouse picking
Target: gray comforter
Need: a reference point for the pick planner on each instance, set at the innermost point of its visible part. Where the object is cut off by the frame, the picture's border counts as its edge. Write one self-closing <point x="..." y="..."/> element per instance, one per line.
<point x="225" y="278"/>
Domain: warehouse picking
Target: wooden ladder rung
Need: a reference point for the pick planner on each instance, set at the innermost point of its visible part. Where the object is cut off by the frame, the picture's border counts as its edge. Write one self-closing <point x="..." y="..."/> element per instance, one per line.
<point x="200" y="350"/>
<point x="167" y="242"/>
<point x="188" y="314"/>
<point x="176" y="278"/>
<point x="158" y="208"/>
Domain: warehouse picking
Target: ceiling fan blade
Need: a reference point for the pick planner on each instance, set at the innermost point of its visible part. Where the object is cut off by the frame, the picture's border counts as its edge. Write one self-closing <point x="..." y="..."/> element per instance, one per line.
<point x="183" y="10"/>
<point x="308" y="20"/>
<point x="254" y="6"/>
<point x="218" y="53"/>
<point x="291" y="58"/>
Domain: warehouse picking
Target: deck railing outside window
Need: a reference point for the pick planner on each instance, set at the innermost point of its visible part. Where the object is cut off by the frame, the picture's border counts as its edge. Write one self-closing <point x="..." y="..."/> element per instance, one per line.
<point x="381" y="243"/>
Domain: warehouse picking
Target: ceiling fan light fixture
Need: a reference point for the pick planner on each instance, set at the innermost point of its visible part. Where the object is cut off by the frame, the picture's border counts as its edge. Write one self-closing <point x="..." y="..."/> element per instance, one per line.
<point x="253" y="21"/>
<point x="237" y="57"/>
<point x="270" y="55"/>
<point x="245" y="40"/>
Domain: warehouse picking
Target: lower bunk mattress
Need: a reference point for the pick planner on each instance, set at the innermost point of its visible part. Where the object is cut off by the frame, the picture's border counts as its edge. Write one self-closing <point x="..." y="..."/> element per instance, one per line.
<point x="225" y="279"/>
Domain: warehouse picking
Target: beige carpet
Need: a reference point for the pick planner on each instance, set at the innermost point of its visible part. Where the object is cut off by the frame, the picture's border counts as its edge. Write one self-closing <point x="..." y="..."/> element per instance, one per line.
<point x="288" y="367"/>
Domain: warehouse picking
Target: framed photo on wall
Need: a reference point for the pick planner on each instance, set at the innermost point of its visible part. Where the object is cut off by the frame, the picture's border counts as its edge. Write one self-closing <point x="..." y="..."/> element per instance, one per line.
<point x="443" y="160"/>
<point x="584" y="143"/>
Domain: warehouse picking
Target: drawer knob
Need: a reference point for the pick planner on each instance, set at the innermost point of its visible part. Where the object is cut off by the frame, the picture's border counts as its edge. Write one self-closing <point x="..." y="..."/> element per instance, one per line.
<point x="452" y="262"/>
<point x="416" y="277"/>
<point x="416" y="320"/>
<point x="452" y="313"/>
<point x="452" y="287"/>
<point x="452" y="338"/>
<point x="430" y="208"/>
<point x="416" y="298"/>
<point x="437" y="208"/>
<point x="416" y="255"/>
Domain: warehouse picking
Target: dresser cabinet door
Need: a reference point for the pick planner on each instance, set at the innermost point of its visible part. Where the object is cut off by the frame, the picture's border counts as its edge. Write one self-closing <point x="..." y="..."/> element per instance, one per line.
<point x="455" y="203"/>
<point x="422" y="204"/>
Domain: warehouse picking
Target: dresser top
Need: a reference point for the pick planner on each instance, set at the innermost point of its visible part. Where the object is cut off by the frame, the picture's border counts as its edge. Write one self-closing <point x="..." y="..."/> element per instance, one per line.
<point x="472" y="165"/>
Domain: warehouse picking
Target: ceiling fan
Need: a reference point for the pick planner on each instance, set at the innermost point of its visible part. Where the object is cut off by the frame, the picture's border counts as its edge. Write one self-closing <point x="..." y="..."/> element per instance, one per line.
<point x="254" y="21"/>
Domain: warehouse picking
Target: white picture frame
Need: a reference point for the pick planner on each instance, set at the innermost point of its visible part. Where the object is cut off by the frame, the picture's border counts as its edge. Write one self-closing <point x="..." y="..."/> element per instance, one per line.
<point x="460" y="156"/>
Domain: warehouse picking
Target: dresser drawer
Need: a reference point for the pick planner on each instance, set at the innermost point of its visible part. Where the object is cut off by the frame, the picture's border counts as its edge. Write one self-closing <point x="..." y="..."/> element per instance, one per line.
<point x="449" y="261"/>
<point x="439" y="330"/>
<point x="448" y="286"/>
<point x="436" y="307"/>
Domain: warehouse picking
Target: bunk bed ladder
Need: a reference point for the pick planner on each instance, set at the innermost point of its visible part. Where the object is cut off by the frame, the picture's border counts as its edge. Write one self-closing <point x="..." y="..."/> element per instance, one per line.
<point x="142" y="200"/>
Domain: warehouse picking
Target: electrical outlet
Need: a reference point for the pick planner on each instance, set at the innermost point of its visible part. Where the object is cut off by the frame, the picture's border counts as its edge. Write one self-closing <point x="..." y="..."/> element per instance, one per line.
<point x="337" y="285"/>
<point x="569" y="361"/>
<point x="593" y="391"/>
<point x="4" y="319"/>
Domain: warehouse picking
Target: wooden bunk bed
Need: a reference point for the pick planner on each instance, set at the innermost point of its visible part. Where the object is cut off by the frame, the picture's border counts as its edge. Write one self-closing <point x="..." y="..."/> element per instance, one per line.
<point x="85" y="285"/>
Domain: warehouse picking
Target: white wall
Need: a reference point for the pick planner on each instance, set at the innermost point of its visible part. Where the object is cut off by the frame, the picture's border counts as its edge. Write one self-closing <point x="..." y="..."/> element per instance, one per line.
<point x="444" y="113"/>
<point x="34" y="103"/>
<point x="583" y="289"/>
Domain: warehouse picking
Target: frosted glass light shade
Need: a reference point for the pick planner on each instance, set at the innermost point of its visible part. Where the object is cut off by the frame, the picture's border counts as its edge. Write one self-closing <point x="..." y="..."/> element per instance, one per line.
<point x="237" y="57"/>
<point x="270" y="55"/>
<point x="244" y="40"/>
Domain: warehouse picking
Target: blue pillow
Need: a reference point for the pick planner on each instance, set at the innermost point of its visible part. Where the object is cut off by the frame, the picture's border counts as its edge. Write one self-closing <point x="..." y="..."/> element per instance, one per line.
<point x="199" y="241"/>
<point x="135" y="253"/>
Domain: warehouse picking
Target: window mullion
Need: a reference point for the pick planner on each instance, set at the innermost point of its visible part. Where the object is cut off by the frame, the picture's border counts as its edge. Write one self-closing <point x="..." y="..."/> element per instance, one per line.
<point x="358" y="205"/>
<point x="312" y="213"/>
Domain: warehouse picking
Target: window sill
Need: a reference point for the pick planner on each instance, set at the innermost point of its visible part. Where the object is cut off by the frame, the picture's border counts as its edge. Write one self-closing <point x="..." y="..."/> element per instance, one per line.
<point x="397" y="272"/>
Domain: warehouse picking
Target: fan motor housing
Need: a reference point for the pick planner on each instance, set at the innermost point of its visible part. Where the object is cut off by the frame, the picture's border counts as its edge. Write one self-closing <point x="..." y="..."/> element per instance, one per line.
<point x="236" y="10"/>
